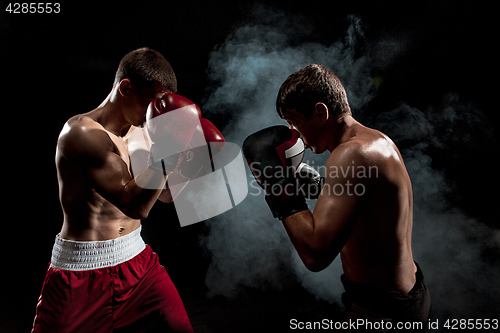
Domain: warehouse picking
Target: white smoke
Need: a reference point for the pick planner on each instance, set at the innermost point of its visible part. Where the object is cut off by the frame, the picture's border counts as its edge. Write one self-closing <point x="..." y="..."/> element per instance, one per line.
<point x="248" y="247"/>
<point x="446" y="242"/>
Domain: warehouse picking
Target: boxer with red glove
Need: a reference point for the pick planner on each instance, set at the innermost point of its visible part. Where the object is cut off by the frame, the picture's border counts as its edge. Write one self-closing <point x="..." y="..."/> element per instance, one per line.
<point x="99" y="258"/>
<point x="207" y="141"/>
<point x="171" y="122"/>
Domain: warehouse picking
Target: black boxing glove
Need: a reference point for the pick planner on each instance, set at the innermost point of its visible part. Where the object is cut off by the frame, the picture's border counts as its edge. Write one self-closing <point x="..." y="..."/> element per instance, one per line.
<point x="273" y="155"/>
<point x="285" y="198"/>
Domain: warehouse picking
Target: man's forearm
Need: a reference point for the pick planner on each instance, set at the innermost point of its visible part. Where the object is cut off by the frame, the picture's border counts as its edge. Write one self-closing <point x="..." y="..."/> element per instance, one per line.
<point x="175" y="184"/>
<point x="301" y="230"/>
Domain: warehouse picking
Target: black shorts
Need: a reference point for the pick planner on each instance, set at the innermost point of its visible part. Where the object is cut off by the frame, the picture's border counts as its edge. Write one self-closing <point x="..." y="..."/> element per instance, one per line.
<point x="367" y="303"/>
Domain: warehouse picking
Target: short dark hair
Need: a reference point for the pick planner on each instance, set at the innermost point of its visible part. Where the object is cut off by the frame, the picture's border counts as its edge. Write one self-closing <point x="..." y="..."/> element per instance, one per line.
<point x="143" y="67"/>
<point x="310" y="85"/>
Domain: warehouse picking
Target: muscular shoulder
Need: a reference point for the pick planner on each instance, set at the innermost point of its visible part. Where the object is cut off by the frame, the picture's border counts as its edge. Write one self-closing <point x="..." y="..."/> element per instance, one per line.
<point x="369" y="146"/>
<point x="367" y="156"/>
<point x="82" y="136"/>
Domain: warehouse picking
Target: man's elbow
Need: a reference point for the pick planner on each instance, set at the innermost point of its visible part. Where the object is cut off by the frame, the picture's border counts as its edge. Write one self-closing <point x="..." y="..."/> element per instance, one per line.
<point x="142" y="214"/>
<point x="135" y="211"/>
<point x="166" y="196"/>
<point x="317" y="262"/>
<point x="133" y="206"/>
<point x="137" y="214"/>
<point x="315" y="266"/>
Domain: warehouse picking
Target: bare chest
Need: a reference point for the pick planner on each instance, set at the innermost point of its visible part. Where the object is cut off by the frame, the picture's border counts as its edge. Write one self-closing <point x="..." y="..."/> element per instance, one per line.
<point x="121" y="148"/>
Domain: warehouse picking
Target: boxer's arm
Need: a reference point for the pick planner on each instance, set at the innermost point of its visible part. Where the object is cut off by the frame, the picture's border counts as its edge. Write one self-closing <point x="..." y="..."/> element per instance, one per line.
<point x="194" y="159"/>
<point x="318" y="237"/>
<point x="92" y="151"/>
<point x="139" y="143"/>
<point x="168" y="194"/>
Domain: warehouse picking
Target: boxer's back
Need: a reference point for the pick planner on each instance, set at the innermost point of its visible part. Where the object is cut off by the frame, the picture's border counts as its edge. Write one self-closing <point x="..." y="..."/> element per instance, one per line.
<point x="378" y="251"/>
<point x="87" y="215"/>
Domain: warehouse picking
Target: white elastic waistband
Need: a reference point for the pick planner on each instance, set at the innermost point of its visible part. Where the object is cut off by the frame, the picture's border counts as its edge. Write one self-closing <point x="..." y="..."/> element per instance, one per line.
<point x="84" y="256"/>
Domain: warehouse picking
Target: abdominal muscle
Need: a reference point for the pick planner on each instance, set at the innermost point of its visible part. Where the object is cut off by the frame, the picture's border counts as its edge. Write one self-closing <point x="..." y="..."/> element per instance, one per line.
<point x="87" y="215"/>
<point x="95" y="220"/>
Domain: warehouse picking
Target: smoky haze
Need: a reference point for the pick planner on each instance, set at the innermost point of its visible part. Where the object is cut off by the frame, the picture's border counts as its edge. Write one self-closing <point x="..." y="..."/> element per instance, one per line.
<point x="249" y="248"/>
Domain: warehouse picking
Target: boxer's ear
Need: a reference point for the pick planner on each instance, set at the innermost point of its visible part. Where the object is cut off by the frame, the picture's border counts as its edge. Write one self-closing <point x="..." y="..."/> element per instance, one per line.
<point x="125" y="87"/>
<point x="321" y="112"/>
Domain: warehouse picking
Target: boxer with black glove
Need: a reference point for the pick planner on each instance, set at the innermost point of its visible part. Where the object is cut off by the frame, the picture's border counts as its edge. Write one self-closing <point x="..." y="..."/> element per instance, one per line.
<point x="364" y="212"/>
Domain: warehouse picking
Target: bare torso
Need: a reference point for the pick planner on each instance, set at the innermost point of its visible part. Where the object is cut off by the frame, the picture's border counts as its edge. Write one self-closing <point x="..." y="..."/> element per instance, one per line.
<point x="87" y="215"/>
<point x="378" y="251"/>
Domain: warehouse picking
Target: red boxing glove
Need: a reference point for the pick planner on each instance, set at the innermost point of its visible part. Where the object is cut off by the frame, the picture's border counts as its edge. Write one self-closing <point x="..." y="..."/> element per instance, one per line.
<point x="193" y="160"/>
<point x="171" y="123"/>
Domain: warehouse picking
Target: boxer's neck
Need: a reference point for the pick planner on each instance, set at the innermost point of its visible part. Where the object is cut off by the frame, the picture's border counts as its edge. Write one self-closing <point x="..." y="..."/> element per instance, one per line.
<point x="341" y="131"/>
<point x="109" y="114"/>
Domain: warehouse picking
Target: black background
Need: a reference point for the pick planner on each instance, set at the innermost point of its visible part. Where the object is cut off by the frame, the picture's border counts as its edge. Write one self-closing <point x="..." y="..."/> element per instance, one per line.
<point x="53" y="66"/>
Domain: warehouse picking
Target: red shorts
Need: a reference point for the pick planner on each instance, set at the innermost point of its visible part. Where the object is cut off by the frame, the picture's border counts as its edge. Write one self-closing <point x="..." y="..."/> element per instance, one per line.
<point x="132" y="296"/>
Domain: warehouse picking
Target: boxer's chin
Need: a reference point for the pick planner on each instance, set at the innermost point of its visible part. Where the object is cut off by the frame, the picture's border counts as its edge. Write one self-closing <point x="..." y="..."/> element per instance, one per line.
<point x="138" y="123"/>
<point x="315" y="150"/>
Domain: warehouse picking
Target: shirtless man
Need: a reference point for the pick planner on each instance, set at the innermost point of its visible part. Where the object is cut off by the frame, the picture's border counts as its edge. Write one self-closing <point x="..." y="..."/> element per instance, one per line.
<point x="102" y="276"/>
<point x="365" y="215"/>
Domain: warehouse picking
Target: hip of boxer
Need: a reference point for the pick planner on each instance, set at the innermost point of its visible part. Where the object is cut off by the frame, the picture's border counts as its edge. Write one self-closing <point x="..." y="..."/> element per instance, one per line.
<point x="374" y="304"/>
<point x="103" y="286"/>
<point x="83" y="256"/>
